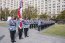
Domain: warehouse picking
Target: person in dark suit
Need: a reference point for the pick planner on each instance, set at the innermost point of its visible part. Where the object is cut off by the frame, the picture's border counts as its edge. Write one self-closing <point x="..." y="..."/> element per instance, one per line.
<point x="39" y="25"/>
<point x="20" y="29"/>
<point x="12" y="28"/>
<point x="26" y="27"/>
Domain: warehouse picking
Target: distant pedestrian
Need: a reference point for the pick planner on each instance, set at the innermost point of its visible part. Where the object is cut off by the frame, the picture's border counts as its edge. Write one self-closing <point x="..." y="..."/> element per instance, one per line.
<point x="12" y="28"/>
<point x="26" y="27"/>
<point x="20" y="29"/>
<point x="39" y="25"/>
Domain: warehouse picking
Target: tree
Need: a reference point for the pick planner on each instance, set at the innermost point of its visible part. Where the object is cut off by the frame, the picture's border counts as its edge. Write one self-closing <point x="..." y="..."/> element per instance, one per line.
<point x="54" y="17"/>
<point x="6" y="13"/>
<point x="2" y="14"/>
<point x="43" y="16"/>
<point x="30" y="12"/>
<point x="61" y="16"/>
<point x="14" y="12"/>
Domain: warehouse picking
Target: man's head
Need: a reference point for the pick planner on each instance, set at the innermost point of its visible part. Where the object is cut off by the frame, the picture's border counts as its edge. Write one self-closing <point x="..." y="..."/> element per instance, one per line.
<point x="20" y="19"/>
<point x="14" y="18"/>
<point x="26" y="18"/>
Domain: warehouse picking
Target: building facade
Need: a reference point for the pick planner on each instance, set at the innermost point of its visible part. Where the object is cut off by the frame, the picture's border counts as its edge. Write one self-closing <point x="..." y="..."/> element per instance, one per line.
<point x="51" y="7"/>
<point x="10" y="4"/>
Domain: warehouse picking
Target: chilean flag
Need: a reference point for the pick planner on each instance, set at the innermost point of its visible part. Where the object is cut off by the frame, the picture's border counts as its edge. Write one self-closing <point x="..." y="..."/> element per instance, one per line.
<point x="20" y="12"/>
<point x="20" y="9"/>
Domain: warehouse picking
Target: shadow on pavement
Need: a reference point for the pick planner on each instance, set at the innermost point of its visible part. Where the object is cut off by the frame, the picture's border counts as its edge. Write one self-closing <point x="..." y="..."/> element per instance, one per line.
<point x="16" y="34"/>
<point x="1" y="37"/>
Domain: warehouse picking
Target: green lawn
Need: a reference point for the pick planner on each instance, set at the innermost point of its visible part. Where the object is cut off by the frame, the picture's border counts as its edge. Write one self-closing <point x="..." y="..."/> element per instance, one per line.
<point x="4" y="24"/>
<point x="57" y="30"/>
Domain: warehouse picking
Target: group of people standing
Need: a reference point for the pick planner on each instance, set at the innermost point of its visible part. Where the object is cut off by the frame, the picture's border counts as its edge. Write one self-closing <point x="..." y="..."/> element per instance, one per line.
<point x="20" y="24"/>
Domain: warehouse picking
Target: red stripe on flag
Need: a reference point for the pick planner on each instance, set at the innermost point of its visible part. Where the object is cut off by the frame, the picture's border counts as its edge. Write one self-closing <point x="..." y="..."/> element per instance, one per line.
<point x="20" y="9"/>
<point x="19" y="15"/>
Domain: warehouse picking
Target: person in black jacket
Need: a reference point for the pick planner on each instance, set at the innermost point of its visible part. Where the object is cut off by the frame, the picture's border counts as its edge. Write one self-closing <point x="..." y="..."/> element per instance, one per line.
<point x="20" y="29"/>
<point x="26" y="27"/>
<point x="12" y="29"/>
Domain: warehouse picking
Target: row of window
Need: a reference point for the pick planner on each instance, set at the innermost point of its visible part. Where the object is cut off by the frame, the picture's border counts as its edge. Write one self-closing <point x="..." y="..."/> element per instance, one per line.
<point x="54" y="12"/>
<point x="50" y="9"/>
<point x="49" y="4"/>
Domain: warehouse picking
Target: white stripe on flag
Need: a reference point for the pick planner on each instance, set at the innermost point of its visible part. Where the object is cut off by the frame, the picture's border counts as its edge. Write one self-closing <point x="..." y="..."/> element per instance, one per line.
<point x="21" y="11"/>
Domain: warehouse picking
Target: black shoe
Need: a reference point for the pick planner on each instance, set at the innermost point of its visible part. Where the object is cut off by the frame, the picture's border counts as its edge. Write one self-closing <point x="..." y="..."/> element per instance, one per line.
<point x="13" y="41"/>
<point x="20" y="38"/>
<point x="27" y="36"/>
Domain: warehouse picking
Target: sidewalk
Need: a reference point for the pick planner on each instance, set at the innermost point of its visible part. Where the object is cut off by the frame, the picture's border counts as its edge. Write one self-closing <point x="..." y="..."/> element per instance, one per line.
<point x="34" y="37"/>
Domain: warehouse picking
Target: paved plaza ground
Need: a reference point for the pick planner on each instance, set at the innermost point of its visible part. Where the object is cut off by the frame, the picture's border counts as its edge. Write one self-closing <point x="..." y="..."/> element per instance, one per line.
<point x="34" y="37"/>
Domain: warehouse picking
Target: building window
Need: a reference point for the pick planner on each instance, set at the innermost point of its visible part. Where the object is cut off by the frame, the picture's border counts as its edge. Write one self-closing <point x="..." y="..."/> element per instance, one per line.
<point x="58" y="6"/>
<point x="45" y="10"/>
<point x="54" y="12"/>
<point x="11" y="6"/>
<point x="63" y="5"/>
<point x="58" y="0"/>
<point x="53" y="1"/>
<point x="14" y="5"/>
<point x="49" y="7"/>
<point x="63" y="8"/>
<point x="41" y="8"/>
<point x="49" y="1"/>
<point x="45" y="0"/>
<point x="53" y="9"/>
<point x="38" y="6"/>
<point x="0" y="4"/>
<point x="64" y="0"/>
<point x="35" y="4"/>
<point x="53" y="6"/>
<point x="45" y="7"/>
<point x="49" y="4"/>
<point x="58" y="9"/>
<point x="41" y="3"/>
<point x="49" y="12"/>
